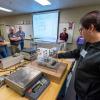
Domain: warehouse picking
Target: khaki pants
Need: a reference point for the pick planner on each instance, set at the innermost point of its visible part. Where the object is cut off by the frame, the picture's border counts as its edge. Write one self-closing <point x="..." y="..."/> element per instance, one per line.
<point x="14" y="49"/>
<point x="63" y="46"/>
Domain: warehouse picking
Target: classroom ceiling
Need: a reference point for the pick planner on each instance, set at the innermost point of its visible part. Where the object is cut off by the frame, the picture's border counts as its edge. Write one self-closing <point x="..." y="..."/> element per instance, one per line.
<point x="28" y="6"/>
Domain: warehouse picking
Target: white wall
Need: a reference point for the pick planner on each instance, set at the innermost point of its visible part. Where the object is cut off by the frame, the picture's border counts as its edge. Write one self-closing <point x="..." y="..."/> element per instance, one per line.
<point x="74" y="15"/>
<point x="14" y="20"/>
<point x="66" y="15"/>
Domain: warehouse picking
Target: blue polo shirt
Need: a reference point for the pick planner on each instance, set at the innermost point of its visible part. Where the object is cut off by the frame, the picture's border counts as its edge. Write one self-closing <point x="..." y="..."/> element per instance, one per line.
<point x="1" y="46"/>
<point x="11" y="35"/>
<point x="1" y="39"/>
<point x="21" y="35"/>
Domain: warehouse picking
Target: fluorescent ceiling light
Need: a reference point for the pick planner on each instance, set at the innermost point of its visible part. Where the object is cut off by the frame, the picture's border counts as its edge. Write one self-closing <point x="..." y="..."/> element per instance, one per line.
<point x="4" y="9"/>
<point x="43" y="2"/>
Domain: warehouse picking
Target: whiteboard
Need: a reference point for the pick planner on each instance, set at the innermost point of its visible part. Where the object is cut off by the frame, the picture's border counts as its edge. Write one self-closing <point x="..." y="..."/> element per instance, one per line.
<point x="27" y="29"/>
<point x="45" y="26"/>
<point x="70" y="31"/>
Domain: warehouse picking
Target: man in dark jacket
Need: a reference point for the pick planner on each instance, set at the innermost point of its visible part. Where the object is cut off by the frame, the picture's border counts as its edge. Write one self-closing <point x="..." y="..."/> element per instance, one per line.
<point x="87" y="77"/>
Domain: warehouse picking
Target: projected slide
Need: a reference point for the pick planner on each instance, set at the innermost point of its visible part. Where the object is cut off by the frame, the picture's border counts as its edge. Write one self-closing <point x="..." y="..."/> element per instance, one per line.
<point x="45" y="26"/>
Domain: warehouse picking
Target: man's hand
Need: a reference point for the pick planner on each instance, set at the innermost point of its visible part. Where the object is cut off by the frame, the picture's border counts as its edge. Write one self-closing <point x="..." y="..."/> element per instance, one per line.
<point x="18" y="38"/>
<point x="2" y="43"/>
<point x="55" y="56"/>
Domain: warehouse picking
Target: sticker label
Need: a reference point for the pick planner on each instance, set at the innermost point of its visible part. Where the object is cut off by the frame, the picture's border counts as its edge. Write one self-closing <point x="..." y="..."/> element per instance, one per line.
<point x="83" y="53"/>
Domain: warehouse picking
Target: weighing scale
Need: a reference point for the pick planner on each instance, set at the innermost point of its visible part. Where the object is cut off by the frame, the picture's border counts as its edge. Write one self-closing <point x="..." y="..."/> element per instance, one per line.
<point x="22" y="79"/>
<point x="10" y="61"/>
<point x="27" y="81"/>
<point x="29" y="53"/>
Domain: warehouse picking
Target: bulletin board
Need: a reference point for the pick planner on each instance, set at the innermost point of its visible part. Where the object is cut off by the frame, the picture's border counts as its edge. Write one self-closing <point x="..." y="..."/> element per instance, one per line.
<point x="70" y="30"/>
<point x="27" y="29"/>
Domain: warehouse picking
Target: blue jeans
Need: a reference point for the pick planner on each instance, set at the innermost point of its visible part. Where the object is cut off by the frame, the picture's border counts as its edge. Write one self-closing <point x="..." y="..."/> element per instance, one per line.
<point x="3" y="51"/>
<point x="22" y="44"/>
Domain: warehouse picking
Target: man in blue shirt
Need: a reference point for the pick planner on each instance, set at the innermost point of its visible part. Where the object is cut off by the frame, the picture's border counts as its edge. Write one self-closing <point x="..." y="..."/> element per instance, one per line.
<point x="14" y="40"/>
<point x="21" y="34"/>
<point x="3" y="51"/>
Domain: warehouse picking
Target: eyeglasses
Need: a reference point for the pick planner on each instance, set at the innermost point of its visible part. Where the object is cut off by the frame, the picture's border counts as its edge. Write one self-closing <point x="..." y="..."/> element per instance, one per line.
<point x="81" y="29"/>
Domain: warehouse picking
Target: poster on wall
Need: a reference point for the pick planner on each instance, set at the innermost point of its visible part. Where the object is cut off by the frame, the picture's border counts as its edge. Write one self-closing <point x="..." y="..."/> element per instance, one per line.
<point x="2" y="29"/>
<point x="70" y="30"/>
<point x="6" y="28"/>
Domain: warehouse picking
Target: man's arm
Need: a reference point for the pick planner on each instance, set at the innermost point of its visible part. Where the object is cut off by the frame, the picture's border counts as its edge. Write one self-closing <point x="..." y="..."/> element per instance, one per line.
<point x="66" y="36"/>
<point x="13" y="38"/>
<point x="1" y="43"/>
<point x="71" y="54"/>
<point x="60" y="35"/>
<point x="23" y="35"/>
